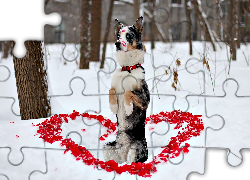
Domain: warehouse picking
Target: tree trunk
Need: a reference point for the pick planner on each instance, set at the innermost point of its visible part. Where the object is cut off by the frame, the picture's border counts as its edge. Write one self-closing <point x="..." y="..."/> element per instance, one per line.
<point x="247" y="7"/>
<point x="195" y="37"/>
<point x="6" y="49"/>
<point x="95" y="29"/>
<point x="220" y="26"/>
<point x="232" y="31"/>
<point x="238" y="23"/>
<point x="178" y="21"/>
<point x="170" y="22"/>
<point x="136" y="9"/>
<point x="218" y="23"/>
<point x="153" y="26"/>
<point x="203" y="21"/>
<point x="31" y="82"/>
<point x="84" y="35"/>
<point x="1" y="46"/>
<point x="187" y="8"/>
<point x="111" y="5"/>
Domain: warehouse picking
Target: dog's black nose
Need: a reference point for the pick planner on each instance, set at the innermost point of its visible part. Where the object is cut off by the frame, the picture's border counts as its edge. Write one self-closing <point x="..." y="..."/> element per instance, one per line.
<point x="118" y="45"/>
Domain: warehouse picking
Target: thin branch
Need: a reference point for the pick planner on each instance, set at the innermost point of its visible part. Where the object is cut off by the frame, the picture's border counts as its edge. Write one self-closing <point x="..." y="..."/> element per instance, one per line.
<point x="159" y="30"/>
<point x="125" y="2"/>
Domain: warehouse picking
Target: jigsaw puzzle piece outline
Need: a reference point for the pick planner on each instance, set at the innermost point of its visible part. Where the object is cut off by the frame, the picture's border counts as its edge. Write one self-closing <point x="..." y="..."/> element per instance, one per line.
<point x="22" y="163"/>
<point x="236" y="150"/>
<point x="22" y="21"/>
<point x="54" y="149"/>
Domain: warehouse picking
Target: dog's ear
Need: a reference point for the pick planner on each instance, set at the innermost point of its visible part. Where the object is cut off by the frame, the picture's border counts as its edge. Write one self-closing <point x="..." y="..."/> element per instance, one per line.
<point x="118" y="26"/>
<point x="138" y="24"/>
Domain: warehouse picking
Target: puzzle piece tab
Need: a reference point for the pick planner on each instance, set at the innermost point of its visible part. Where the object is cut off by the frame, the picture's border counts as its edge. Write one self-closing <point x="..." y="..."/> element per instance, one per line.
<point x="22" y="21"/>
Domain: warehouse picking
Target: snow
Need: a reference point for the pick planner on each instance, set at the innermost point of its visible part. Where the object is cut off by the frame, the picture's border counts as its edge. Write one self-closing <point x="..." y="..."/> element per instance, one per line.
<point x="88" y="91"/>
<point x="61" y="0"/>
<point x="189" y="4"/>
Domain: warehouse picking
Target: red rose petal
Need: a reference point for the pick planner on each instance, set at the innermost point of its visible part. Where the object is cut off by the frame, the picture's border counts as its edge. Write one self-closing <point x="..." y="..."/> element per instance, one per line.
<point x="50" y="130"/>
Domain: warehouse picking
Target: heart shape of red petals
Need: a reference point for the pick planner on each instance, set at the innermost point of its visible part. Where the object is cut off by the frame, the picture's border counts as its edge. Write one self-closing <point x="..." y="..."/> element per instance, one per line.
<point x="50" y="131"/>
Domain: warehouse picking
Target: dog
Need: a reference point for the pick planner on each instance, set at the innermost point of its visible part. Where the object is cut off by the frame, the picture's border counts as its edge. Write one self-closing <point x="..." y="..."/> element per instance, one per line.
<point x="129" y="97"/>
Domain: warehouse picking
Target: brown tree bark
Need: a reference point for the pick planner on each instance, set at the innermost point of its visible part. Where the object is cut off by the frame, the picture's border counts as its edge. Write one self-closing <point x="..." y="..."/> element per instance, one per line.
<point x="232" y="31"/>
<point x="247" y="8"/>
<point x="187" y="8"/>
<point x="195" y="27"/>
<point x="153" y="26"/>
<point x="155" y="30"/>
<point x="6" y="49"/>
<point x="111" y="5"/>
<point x="136" y="9"/>
<point x="95" y="29"/>
<point x="178" y="21"/>
<point x="238" y="24"/>
<point x="202" y="20"/>
<point x="170" y="21"/>
<point x="31" y="82"/>
<point x="84" y="35"/>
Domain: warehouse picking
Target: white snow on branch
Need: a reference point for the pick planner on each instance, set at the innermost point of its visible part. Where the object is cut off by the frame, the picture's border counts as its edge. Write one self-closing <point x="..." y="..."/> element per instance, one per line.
<point x="129" y="1"/>
<point x="147" y="12"/>
<point x="203" y="14"/>
<point x="61" y="0"/>
<point x="161" y="32"/>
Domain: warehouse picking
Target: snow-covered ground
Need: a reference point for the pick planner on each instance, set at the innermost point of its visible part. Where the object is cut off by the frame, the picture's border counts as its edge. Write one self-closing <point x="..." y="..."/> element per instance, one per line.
<point x="200" y="90"/>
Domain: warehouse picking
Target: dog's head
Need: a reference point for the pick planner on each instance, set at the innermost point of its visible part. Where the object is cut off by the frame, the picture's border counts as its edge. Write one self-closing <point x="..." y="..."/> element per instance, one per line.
<point x="129" y="37"/>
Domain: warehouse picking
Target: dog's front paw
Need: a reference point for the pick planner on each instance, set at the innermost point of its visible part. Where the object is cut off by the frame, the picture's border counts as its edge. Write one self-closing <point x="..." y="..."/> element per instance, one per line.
<point x="128" y="102"/>
<point x="131" y="156"/>
<point x="129" y="109"/>
<point x="113" y="101"/>
<point x="113" y="108"/>
<point x="110" y="151"/>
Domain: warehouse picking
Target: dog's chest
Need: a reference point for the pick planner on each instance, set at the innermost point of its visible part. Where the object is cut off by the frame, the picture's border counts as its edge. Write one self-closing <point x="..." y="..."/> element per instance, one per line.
<point x="123" y="80"/>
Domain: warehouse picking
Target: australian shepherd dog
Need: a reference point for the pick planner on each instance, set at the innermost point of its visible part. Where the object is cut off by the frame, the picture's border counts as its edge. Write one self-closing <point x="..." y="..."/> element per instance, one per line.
<point x="129" y="97"/>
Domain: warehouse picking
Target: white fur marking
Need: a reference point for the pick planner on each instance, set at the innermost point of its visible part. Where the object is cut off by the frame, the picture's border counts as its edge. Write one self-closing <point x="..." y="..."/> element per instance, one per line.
<point x="113" y="108"/>
<point x="123" y="38"/>
<point x="131" y="156"/>
<point x="128" y="109"/>
<point x="130" y="58"/>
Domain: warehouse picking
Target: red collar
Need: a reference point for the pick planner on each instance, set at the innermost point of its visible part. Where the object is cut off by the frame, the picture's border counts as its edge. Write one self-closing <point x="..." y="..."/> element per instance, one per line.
<point x="129" y="68"/>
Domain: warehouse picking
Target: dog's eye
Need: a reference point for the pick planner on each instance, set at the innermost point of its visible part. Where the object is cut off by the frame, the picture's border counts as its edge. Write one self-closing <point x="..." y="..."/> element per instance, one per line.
<point x="128" y="36"/>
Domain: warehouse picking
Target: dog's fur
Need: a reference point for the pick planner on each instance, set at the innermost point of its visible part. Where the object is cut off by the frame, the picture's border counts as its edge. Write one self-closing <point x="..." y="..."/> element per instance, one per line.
<point x="129" y="98"/>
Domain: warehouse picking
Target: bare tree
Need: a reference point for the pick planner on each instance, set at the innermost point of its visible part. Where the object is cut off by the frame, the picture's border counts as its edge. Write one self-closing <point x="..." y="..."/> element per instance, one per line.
<point x="156" y="28"/>
<point x="136" y="9"/>
<point x="153" y="23"/>
<point x="201" y="15"/>
<point x="178" y="21"/>
<point x="95" y="29"/>
<point x="84" y="35"/>
<point x="220" y="25"/>
<point x="232" y="31"/>
<point x="170" y="21"/>
<point x="246" y="11"/>
<point x="187" y="8"/>
<point x="6" y="49"/>
<point x="31" y="82"/>
<point x="111" y="5"/>
<point x="238" y="16"/>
